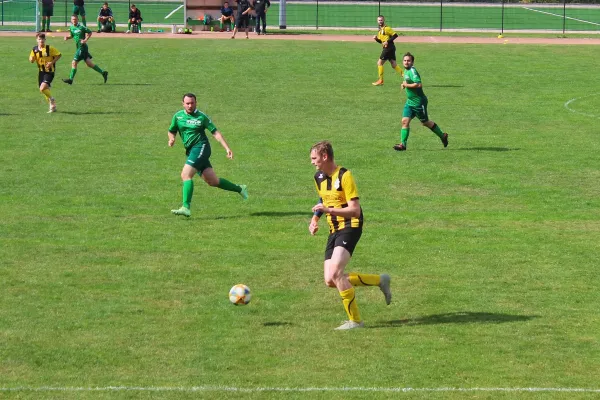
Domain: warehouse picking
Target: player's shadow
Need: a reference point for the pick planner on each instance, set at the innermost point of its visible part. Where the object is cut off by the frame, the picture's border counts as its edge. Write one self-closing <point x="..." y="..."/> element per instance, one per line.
<point x="92" y="112"/>
<point x="487" y="149"/>
<point x="446" y="86"/>
<point x="465" y="317"/>
<point x="278" y="213"/>
<point x="124" y="84"/>
<point x="277" y="323"/>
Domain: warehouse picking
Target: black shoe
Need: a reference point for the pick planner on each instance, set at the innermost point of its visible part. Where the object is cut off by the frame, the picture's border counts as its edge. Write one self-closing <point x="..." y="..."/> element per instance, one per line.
<point x="445" y="139"/>
<point x="98" y="31"/>
<point x="400" y="147"/>
<point x="105" y="75"/>
<point x="69" y="81"/>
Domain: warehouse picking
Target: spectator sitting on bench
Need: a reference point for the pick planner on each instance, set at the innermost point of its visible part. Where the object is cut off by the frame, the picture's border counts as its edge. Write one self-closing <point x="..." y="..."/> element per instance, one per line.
<point x="226" y="15"/>
<point x="105" y="17"/>
<point x="135" y="18"/>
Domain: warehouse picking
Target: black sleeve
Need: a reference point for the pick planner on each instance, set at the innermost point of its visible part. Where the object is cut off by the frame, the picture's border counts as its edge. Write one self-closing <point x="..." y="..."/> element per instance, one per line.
<point x="378" y="40"/>
<point x="267" y="3"/>
<point x="391" y="40"/>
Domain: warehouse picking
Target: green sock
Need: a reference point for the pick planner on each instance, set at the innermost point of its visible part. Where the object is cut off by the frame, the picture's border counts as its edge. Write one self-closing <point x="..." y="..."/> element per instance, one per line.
<point x="221" y="24"/>
<point x="226" y="185"/>
<point x="48" y="24"/>
<point x="436" y="129"/>
<point x="404" y="135"/>
<point x="114" y="26"/>
<point x="99" y="25"/>
<point x="43" y="24"/>
<point x="188" y="191"/>
<point x="98" y="69"/>
<point x="129" y="26"/>
<point x="72" y="74"/>
<point x="140" y="26"/>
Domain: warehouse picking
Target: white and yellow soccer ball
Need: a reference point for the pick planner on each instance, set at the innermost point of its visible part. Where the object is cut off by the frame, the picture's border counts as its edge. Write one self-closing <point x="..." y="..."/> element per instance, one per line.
<point x="240" y="295"/>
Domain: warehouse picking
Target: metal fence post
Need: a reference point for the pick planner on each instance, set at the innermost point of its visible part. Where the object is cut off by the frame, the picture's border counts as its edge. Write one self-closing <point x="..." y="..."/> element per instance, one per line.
<point x="317" y="22"/>
<point x="282" y="15"/>
<point x="564" y="16"/>
<point x="441" y="13"/>
<point x="502" y="22"/>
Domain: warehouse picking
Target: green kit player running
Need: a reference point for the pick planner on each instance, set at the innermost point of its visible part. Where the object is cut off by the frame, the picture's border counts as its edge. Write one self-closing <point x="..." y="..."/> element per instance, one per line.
<point x="81" y="34"/>
<point x="416" y="104"/>
<point x="191" y="125"/>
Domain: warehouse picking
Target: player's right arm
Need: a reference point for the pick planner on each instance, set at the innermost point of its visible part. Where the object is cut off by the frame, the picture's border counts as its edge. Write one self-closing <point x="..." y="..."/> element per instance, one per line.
<point x="313" y="227"/>
<point x="172" y="132"/>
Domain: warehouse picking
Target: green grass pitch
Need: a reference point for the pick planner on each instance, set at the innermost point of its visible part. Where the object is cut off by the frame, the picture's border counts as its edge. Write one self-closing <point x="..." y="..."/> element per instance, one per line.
<point x="492" y="243"/>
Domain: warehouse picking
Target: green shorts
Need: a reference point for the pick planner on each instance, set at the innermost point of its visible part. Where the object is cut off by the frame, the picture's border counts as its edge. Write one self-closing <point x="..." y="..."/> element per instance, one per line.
<point x="79" y="10"/>
<point x="418" y="111"/>
<point x="47" y="10"/>
<point x="82" y="54"/>
<point x="198" y="157"/>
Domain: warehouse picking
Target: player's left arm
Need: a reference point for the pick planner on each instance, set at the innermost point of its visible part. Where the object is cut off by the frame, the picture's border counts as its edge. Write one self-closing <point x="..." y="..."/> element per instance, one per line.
<point x="219" y="138"/>
<point x="88" y="35"/>
<point x="351" y="194"/>
<point x="267" y="5"/>
<point x="391" y="35"/>
<point x="56" y="55"/>
<point x="32" y="57"/>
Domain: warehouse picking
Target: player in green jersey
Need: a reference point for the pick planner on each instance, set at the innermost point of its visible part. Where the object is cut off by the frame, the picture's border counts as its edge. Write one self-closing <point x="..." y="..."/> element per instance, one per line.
<point x="191" y="125"/>
<point x="81" y="34"/>
<point x="416" y="104"/>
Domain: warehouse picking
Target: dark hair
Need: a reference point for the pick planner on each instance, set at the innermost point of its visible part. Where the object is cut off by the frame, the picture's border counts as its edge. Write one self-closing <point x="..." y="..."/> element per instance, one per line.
<point x="40" y="35"/>
<point x="323" y="147"/>
<point x="133" y="6"/>
<point x="105" y="4"/>
<point x="412" y="58"/>
<point x="191" y="95"/>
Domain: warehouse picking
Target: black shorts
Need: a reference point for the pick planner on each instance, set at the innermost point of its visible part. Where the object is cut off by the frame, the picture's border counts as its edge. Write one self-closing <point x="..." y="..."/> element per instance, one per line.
<point x="242" y="21"/>
<point x="388" y="53"/>
<point x="45" y="77"/>
<point x="346" y="238"/>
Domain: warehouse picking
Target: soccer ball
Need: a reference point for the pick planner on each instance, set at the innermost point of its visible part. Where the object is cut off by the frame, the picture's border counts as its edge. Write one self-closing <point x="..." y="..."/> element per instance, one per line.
<point x="240" y="295"/>
<point x="180" y="30"/>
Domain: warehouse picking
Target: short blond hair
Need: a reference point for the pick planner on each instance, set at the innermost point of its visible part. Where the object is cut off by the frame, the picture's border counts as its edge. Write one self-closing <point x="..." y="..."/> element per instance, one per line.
<point x="323" y="147"/>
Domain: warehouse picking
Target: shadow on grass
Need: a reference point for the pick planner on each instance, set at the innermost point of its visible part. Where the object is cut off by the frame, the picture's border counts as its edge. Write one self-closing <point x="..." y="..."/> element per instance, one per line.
<point x="466" y="317"/>
<point x="279" y="213"/>
<point x="123" y="84"/>
<point x="91" y="112"/>
<point x="446" y="86"/>
<point x="488" y="149"/>
<point x="277" y="323"/>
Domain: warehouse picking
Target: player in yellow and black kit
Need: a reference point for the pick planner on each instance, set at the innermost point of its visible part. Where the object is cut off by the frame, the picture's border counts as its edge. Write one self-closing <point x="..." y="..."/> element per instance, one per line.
<point x="386" y="37"/>
<point x="46" y="57"/>
<point x="339" y="201"/>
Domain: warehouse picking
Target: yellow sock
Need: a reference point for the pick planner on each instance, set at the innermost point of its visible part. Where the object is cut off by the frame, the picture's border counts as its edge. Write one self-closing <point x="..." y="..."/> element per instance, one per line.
<point x="46" y="93"/>
<point x="350" y="304"/>
<point x="399" y="70"/>
<point x="363" y="279"/>
<point x="380" y="71"/>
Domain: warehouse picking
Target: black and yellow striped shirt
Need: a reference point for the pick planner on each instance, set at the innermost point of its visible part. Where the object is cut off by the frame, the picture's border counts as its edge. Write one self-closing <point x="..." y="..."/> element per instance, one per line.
<point x="335" y="191"/>
<point x="43" y="56"/>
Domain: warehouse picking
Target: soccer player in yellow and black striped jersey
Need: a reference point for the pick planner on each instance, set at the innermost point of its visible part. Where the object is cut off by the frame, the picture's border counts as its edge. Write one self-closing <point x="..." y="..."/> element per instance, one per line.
<point x="339" y="201"/>
<point x="46" y="57"/>
<point x="386" y="37"/>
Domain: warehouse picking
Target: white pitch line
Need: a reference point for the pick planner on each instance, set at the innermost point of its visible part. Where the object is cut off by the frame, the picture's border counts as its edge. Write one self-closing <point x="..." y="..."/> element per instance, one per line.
<point x="558" y="15"/>
<point x="284" y="389"/>
<point x="568" y="103"/>
<point x="174" y="11"/>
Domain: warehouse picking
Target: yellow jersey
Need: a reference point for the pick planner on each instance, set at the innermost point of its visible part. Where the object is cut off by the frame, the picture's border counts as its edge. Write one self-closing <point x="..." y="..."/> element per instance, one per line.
<point x="385" y="33"/>
<point x="43" y="56"/>
<point x="335" y="191"/>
